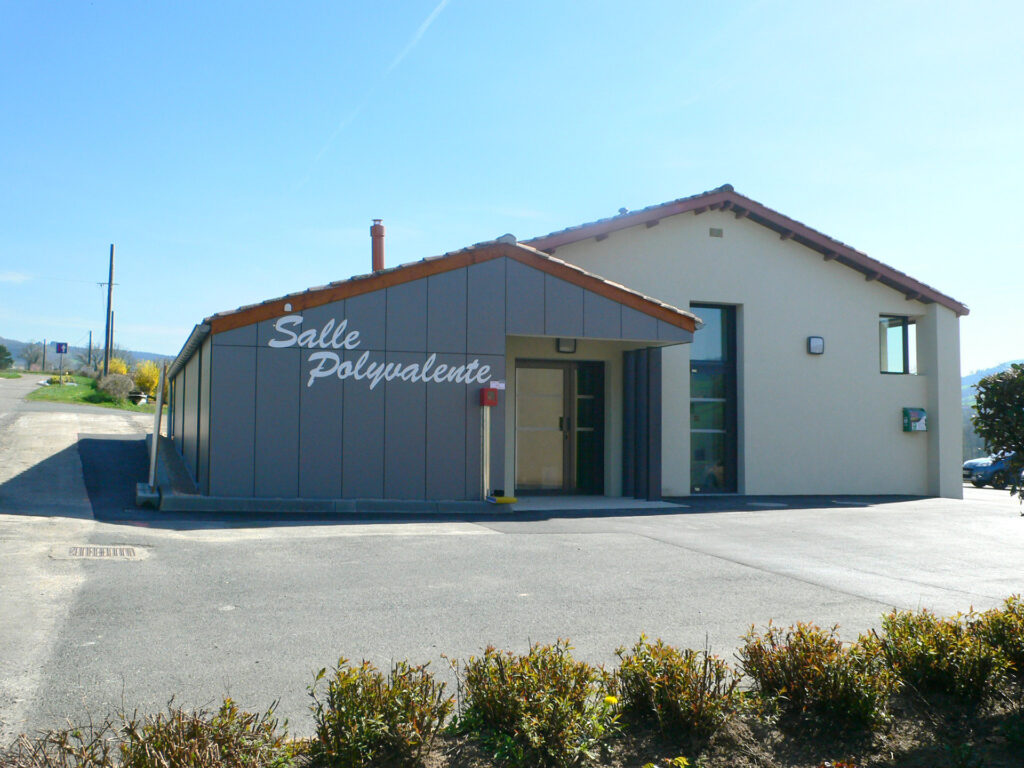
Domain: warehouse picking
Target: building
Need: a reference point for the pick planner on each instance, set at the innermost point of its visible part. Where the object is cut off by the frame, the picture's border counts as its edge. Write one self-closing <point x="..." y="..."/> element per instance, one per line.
<point x="818" y="370"/>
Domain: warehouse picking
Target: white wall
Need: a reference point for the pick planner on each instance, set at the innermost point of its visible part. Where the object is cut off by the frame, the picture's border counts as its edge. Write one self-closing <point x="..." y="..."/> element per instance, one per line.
<point x="829" y="424"/>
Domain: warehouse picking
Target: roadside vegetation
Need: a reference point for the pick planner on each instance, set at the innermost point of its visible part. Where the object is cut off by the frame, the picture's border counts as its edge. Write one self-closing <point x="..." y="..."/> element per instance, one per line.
<point x="9" y="375"/>
<point x="999" y="420"/>
<point x="922" y="691"/>
<point x="85" y="390"/>
<point x="130" y="388"/>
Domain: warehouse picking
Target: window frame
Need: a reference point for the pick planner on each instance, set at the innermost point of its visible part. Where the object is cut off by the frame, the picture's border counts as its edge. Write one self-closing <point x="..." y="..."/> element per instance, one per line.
<point x="906" y="322"/>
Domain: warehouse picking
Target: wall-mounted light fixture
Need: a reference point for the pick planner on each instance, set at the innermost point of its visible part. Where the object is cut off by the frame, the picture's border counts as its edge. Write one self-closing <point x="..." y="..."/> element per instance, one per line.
<point x="815" y="345"/>
<point x="565" y="346"/>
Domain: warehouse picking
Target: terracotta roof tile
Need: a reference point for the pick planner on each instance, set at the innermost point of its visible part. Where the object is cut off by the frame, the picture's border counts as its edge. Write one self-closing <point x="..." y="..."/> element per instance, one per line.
<point x="726" y="198"/>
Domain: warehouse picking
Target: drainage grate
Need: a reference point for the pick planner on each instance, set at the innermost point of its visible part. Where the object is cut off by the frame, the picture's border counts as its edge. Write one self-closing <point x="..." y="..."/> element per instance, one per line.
<point x="102" y="552"/>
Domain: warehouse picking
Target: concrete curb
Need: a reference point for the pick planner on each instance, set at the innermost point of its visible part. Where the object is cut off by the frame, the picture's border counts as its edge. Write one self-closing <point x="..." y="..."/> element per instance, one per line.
<point x="179" y="502"/>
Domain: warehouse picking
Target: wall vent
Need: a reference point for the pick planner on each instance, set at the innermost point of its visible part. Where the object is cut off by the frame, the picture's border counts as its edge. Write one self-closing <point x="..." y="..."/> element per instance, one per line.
<point x="715" y="232"/>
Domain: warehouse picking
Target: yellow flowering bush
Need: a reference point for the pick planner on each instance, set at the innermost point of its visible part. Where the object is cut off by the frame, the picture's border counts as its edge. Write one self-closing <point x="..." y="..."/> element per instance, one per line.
<point x="147" y="376"/>
<point x="117" y="365"/>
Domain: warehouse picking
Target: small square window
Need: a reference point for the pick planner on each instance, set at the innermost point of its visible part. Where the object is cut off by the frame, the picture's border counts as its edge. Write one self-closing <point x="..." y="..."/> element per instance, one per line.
<point x="897" y="344"/>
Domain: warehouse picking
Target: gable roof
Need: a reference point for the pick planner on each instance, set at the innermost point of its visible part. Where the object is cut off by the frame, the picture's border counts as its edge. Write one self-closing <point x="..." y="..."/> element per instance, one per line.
<point x="725" y="198"/>
<point x="475" y="254"/>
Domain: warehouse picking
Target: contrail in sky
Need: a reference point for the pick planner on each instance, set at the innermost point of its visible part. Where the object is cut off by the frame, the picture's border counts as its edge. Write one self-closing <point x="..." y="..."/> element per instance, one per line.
<point x="416" y="38"/>
<point x="347" y="120"/>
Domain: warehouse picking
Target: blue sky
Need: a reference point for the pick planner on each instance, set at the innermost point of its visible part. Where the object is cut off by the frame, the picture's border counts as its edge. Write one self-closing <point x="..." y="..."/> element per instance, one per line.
<point x="237" y="151"/>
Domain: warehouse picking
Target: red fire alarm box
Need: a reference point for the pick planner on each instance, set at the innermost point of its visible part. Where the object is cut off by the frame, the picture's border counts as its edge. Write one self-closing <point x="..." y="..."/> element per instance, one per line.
<point x="488" y="397"/>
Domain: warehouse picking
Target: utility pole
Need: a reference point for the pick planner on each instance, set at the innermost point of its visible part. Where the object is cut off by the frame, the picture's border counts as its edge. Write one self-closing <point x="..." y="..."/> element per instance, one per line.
<point x="43" y="367"/>
<point x="110" y="317"/>
<point x="88" y="361"/>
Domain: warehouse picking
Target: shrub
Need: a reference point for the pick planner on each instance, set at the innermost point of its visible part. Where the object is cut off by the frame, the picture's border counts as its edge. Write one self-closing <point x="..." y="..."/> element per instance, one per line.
<point x="116" y="385"/>
<point x="944" y="655"/>
<point x="89" y="746"/>
<point x="809" y="668"/>
<point x="365" y="719"/>
<point x="147" y="376"/>
<point x="117" y="365"/>
<point x="685" y="693"/>
<point x="230" y="738"/>
<point x="1003" y="629"/>
<point x="543" y="708"/>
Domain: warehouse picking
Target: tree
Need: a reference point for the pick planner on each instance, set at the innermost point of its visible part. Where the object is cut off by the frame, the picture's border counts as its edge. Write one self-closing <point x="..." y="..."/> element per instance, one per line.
<point x="999" y="418"/>
<point x="6" y="361"/>
<point x="33" y="354"/>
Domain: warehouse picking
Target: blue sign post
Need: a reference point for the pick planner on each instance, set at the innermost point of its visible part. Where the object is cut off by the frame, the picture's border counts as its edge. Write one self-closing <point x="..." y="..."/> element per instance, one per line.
<point x="62" y="349"/>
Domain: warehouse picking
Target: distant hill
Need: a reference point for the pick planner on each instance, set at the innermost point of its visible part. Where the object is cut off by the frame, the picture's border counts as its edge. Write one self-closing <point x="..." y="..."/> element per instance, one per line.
<point x="17" y="349"/>
<point x="967" y="382"/>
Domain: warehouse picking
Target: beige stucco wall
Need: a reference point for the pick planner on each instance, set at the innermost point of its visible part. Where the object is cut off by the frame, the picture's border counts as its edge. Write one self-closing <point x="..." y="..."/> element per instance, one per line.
<point x="829" y="424"/>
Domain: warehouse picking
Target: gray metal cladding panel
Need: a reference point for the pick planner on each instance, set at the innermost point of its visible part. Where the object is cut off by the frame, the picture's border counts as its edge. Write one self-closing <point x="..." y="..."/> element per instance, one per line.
<point x="265" y="330"/>
<point x="524" y="311"/>
<point x="245" y="336"/>
<point x="179" y="408"/>
<point x="563" y="308"/>
<point x="232" y="420"/>
<point x="203" y="475"/>
<point x="368" y="314"/>
<point x="602" y="317"/>
<point x="320" y="434"/>
<point x="362" y="472"/>
<point x="485" y="316"/>
<point x="277" y="422"/>
<point x="446" y="311"/>
<point x="446" y="436"/>
<point x="190" y="416"/>
<point x="473" y="430"/>
<point x="668" y="332"/>
<point x="407" y="317"/>
<point x="319" y="319"/>
<point x="405" y="433"/>
<point x="636" y="325"/>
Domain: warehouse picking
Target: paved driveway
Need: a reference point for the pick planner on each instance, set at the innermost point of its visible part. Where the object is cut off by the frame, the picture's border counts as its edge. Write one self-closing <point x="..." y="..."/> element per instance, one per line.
<point x="250" y="608"/>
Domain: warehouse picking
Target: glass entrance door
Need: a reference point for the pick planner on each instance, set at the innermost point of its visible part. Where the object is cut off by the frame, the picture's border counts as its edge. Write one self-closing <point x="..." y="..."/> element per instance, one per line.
<point x="560" y="427"/>
<point x="541" y="445"/>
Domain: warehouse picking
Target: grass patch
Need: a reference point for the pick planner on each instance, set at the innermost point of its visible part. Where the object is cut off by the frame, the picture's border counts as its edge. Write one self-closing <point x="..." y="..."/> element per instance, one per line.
<point x="9" y="375"/>
<point x="86" y="393"/>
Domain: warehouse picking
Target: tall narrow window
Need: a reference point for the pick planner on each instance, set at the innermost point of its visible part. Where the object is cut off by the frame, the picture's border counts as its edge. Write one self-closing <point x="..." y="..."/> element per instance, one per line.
<point x="897" y="344"/>
<point x="713" y="401"/>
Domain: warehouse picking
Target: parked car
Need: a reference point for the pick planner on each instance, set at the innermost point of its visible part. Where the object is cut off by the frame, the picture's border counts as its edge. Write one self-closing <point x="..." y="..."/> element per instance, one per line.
<point x="992" y="470"/>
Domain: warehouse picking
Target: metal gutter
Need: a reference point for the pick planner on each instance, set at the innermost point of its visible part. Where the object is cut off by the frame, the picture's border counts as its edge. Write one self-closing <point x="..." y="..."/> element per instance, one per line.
<point x="195" y="340"/>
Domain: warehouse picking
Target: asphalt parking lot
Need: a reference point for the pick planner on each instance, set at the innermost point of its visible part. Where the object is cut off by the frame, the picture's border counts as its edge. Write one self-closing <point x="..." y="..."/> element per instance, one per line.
<point x="208" y="607"/>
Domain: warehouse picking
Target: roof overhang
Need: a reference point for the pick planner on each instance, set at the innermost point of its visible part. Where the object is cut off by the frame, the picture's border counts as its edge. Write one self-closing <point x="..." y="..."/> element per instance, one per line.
<point x="314" y="297"/>
<point x="725" y="198"/>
